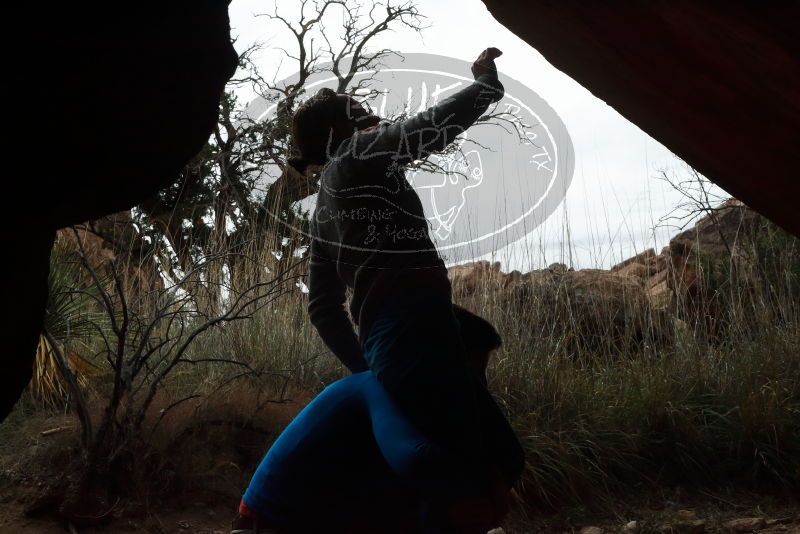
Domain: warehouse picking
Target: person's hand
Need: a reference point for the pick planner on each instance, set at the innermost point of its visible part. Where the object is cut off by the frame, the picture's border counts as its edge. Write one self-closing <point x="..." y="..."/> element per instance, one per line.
<point x="485" y="62"/>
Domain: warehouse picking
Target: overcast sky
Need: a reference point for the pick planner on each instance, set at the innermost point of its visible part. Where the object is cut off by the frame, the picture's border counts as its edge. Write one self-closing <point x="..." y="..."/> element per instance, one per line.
<point x="613" y="207"/>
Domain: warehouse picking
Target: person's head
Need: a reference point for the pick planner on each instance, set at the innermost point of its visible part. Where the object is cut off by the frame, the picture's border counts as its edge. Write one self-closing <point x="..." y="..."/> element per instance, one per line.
<point x="322" y="122"/>
<point x="480" y="338"/>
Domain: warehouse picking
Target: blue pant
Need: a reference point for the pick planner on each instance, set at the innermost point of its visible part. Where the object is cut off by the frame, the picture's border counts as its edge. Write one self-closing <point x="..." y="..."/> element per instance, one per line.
<point x="415" y="350"/>
<point x="419" y="420"/>
<point x="346" y="445"/>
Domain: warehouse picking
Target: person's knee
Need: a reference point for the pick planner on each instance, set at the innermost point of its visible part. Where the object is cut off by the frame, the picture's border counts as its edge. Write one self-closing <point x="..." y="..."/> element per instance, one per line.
<point x="426" y="461"/>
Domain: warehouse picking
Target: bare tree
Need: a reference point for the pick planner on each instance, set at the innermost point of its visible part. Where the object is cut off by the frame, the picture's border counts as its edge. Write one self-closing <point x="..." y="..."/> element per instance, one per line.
<point x="222" y="200"/>
<point x="240" y="188"/>
<point x="141" y="349"/>
<point x="698" y="197"/>
<point x="346" y="51"/>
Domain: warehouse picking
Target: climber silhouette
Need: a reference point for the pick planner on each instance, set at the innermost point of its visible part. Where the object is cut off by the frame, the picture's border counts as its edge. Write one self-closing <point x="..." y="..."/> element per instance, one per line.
<point x="369" y="234"/>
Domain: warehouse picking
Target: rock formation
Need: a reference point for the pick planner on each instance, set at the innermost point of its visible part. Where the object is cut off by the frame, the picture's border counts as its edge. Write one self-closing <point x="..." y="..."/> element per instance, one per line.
<point x="114" y="239"/>
<point x="716" y="83"/>
<point x="109" y="104"/>
<point x="637" y="300"/>
<point x="593" y="309"/>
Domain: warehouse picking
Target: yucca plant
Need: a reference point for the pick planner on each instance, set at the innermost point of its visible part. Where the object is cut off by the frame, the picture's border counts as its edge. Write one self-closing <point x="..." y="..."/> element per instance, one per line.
<point x="71" y="320"/>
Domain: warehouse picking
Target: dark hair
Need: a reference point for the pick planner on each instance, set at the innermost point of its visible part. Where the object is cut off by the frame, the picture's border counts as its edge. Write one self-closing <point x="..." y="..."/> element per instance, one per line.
<point x="311" y="126"/>
<point x="477" y="333"/>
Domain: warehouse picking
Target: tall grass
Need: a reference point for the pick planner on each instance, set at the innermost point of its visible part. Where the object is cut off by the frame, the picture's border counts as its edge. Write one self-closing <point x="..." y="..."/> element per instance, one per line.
<point x="608" y="392"/>
<point x="662" y="403"/>
<point x="670" y="402"/>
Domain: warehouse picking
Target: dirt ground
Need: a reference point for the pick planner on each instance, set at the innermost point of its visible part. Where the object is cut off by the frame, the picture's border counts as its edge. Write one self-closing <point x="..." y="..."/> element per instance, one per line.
<point x="691" y="514"/>
<point x="213" y="463"/>
<point x="198" y="519"/>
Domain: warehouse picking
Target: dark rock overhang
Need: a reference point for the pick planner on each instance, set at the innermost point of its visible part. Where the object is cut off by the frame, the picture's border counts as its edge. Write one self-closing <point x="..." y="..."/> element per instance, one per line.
<point x="718" y="83"/>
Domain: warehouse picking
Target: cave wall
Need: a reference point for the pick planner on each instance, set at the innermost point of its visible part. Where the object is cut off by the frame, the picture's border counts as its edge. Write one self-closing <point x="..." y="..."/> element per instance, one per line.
<point x="718" y="83"/>
<point x="114" y="100"/>
<point x="105" y="104"/>
<point x="108" y="101"/>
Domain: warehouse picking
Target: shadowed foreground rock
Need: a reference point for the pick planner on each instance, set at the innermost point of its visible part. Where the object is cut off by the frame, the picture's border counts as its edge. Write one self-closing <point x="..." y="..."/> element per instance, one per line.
<point x="108" y="102"/>
<point x="110" y="105"/>
<point x="718" y="83"/>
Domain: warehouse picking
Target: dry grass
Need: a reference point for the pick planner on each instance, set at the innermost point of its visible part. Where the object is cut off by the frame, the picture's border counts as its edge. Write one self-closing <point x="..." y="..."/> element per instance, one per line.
<point x="597" y="420"/>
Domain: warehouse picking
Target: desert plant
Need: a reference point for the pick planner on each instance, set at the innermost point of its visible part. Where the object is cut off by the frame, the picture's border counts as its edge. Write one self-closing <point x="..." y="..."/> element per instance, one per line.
<point x="140" y="347"/>
<point x="70" y="319"/>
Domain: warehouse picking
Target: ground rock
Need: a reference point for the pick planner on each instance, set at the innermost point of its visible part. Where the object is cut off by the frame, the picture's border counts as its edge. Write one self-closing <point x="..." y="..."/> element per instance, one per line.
<point x="745" y="524"/>
<point x="642" y="259"/>
<point x="631" y="527"/>
<point x="636" y="270"/>
<point x="656" y="279"/>
<point x="688" y="526"/>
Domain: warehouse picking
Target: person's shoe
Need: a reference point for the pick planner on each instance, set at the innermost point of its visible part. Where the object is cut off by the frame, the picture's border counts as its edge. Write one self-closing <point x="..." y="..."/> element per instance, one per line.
<point x="245" y="525"/>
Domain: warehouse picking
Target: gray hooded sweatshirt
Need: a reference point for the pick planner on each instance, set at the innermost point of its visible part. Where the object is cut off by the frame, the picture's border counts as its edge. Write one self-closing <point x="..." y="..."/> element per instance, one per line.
<point x="369" y="230"/>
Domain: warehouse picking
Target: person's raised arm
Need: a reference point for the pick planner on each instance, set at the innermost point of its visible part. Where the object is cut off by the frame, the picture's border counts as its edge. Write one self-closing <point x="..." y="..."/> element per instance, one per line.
<point x="326" y="309"/>
<point x="438" y="126"/>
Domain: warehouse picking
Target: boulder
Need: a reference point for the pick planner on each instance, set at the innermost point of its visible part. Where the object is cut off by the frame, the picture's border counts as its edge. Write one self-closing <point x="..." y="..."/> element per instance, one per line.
<point x="114" y="238"/>
<point x="638" y="299"/>
<point x="688" y="526"/>
<point x="481" y="276"/>
<point x="636" y="270"/>
<point x="123" y="103"/>
<point x="592" y="309"/>
<point x="719" y="250"/>
<point x="656" y="279"/>
<point x="660" y="295"/>
<point x="745" y="524"/>
<point x="657" y="263"/>
<point x="733" y="55"/>
<point x="642" y="258"/>
<point x="558" y="268"/>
